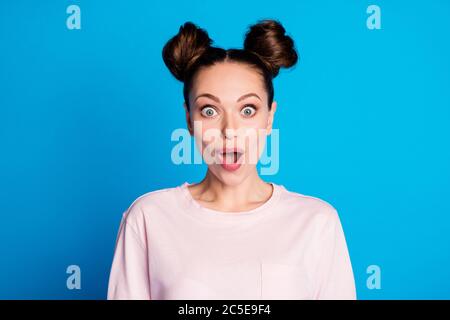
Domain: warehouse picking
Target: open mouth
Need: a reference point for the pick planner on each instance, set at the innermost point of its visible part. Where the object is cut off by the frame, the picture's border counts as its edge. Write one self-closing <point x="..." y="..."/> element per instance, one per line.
<point x="230" y="157"/>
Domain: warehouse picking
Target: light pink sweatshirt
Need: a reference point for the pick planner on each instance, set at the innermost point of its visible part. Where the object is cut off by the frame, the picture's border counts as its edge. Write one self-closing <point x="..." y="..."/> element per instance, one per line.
<point x="170" y="247"/>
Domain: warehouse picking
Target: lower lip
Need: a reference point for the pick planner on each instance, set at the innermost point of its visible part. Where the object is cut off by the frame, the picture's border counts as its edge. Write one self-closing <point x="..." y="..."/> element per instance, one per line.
<point x="230" y="166"/>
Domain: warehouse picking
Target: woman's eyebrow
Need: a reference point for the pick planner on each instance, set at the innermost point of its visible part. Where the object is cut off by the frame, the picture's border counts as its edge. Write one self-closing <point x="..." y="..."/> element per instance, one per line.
<point x="248" y="95"/>
<point x="213" y="97"/>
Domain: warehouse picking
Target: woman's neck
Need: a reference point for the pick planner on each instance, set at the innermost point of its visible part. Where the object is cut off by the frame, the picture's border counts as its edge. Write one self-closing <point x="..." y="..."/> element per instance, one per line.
<point x="246" y="195"/>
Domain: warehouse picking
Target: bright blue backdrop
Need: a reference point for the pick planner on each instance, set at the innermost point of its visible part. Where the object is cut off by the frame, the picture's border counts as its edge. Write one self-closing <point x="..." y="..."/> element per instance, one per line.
<point x="86" y="117"/>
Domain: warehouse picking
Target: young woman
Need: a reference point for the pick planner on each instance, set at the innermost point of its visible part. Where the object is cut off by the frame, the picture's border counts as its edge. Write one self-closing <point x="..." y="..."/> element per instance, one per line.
<point x="232" y="235"/>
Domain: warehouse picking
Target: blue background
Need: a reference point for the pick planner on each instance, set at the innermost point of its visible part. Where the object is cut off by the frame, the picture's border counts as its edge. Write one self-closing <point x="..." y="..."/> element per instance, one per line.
<point x="86" y="117"/>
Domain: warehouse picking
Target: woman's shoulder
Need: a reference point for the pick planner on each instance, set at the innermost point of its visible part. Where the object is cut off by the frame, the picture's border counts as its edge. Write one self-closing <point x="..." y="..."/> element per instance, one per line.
<point x="154" y="196"/>
<point x="150" y="202"/>
<point x="312" y="204"/>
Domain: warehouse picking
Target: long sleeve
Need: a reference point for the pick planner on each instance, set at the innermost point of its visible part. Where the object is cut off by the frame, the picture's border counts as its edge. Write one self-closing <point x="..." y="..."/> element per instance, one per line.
<point x="335" y="274"/>
<point x="129" y="277"/>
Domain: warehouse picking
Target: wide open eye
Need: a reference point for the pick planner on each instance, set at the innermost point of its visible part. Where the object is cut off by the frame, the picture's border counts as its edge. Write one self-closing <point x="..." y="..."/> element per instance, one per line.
<point x="248" y="111"/>
<point x="208" y="111"/>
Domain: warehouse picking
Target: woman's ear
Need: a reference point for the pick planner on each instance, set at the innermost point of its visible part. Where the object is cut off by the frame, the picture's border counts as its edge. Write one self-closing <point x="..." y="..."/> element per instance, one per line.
<point x="188" y="118"/>
<point x="273" y="108"/>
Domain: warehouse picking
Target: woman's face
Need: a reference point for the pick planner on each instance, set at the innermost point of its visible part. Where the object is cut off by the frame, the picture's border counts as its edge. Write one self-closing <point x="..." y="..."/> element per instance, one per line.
<point x="230" y="119"/>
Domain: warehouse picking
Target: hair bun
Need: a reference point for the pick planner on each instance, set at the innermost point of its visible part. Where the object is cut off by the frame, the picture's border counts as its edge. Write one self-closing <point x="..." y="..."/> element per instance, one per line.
<point x="183" y="49"/>
<point x="268" y="40"/>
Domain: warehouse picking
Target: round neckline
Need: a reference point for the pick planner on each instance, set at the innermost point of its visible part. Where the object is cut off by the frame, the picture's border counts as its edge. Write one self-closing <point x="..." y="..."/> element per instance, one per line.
<point x="195" y="208"/>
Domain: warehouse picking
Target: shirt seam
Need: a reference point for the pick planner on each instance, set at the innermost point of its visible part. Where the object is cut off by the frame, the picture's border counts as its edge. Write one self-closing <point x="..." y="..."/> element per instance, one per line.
<point x="135" y="235"/>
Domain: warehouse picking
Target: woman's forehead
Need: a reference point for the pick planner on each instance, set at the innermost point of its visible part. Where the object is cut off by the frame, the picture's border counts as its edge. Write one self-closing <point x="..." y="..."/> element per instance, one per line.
<point x="230" y="80"/>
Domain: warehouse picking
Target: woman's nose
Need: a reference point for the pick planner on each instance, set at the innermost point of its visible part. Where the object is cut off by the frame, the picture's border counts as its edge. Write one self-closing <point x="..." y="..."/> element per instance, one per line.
<point x="230" y="126"/>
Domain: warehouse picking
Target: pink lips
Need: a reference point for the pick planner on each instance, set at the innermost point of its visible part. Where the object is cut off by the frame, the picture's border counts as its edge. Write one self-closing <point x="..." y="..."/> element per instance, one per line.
<point x="230" y="166"/>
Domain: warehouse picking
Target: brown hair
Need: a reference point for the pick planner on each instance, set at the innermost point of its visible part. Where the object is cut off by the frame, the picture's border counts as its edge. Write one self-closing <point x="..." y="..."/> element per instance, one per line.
<point x="266" y="48"/>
